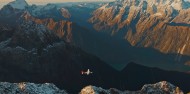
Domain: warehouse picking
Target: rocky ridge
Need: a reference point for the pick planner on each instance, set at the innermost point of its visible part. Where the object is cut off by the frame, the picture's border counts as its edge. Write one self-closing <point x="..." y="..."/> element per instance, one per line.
<point x="157" y="88"/>
<point x="48" y="88"/>
<point x="29" y="88"/>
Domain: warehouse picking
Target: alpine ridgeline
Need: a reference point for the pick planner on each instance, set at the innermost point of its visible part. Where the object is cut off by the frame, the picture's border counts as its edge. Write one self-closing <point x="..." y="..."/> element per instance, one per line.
<point x="160" y="24"/>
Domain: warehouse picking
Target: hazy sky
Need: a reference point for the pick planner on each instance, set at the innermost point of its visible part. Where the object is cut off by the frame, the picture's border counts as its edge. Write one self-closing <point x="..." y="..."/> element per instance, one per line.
<point x="49" y="1"/>
<point x="3" y="2"/>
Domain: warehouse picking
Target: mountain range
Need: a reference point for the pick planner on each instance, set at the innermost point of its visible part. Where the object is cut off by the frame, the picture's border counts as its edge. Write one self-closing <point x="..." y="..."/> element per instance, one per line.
<point x="156" y="24"/>
<point x="117" y="28"/>
<point x="126" y="43"/>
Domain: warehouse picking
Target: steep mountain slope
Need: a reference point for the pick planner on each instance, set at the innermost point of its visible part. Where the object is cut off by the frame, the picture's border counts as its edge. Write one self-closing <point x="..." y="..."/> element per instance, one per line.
<point x="163" y="24"/>
<point x="10" y="15"/>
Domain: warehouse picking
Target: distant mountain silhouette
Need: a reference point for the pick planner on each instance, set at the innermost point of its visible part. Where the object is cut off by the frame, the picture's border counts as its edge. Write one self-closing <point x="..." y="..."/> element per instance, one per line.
<point x="134" y="76"/>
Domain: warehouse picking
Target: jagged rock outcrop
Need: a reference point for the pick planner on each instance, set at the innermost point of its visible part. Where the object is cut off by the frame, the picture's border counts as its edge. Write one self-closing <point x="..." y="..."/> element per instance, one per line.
<point x="48" y="88"/>
<point x="158" y="88"/>
<point x="159" y="24"/>
<point x="29" y="88"/>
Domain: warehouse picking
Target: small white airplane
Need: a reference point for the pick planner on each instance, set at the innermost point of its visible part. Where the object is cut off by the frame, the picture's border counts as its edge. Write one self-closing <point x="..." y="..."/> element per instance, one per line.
<point x="88" y="72"/>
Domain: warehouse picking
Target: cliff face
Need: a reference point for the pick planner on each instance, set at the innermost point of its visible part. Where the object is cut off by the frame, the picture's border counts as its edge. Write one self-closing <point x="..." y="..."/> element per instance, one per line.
<point x="163" y="24"/>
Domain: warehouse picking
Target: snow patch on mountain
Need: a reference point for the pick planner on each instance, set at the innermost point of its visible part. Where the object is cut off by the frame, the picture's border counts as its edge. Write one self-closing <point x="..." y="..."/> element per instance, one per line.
<point x="65" y="13"/>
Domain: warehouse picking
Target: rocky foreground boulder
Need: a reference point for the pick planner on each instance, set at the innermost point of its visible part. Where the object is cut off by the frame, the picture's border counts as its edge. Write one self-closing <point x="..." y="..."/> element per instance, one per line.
<point x="29" y="88"/>
<point x="157" y="88"/>
<point x="48" y="88"/>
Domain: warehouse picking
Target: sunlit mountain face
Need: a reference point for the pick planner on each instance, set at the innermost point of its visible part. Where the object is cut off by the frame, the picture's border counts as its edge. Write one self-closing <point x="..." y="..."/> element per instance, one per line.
<point x="121" y="44"/>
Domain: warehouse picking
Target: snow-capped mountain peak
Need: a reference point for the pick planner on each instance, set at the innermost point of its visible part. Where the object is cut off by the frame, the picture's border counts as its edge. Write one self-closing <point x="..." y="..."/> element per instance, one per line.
<point x="18" y="4"/>
<point x="176" y="4"/>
